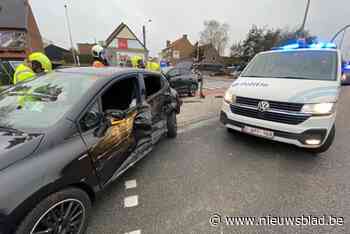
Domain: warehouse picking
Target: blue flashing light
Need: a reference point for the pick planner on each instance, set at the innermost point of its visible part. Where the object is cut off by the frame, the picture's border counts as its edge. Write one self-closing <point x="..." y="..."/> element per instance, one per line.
<point x="330" y="45"/>
<point x="290" y="47"/>
<point x="347" y="67"/>
<point x="319" y="45"/>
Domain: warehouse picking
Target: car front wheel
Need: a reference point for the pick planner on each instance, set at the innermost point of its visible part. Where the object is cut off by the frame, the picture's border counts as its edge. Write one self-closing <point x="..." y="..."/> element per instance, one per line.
<point x="66" y="211"/>
<point x="172" y="125"/>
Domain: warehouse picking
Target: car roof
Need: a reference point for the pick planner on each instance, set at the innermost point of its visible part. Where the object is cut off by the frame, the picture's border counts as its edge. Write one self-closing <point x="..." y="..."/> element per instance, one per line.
<point x="105" y="72"/>
<point x="296" y="50"/>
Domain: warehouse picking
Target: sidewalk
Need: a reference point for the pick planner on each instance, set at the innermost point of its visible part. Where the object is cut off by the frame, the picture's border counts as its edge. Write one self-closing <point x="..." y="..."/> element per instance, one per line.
<point x="195" y="110"/>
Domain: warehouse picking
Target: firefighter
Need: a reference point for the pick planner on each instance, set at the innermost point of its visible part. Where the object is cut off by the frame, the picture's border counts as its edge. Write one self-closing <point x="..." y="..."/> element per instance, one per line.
<point x="153" y="66"/>
<point x="98" y="53"/>
<point x="137" y="62"/>
<point x="38" y="63"/>
<point x="22" y="73"/>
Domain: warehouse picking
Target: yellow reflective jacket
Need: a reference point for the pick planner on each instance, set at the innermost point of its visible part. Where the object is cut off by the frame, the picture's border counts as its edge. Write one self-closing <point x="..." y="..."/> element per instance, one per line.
<point x="22" y="73"/>
<point x="135" y="60"/>
<point x="152" y="66"/>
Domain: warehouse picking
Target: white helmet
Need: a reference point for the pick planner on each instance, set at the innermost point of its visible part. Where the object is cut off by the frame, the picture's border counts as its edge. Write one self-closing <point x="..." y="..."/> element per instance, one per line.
<point x="97" y="51"/>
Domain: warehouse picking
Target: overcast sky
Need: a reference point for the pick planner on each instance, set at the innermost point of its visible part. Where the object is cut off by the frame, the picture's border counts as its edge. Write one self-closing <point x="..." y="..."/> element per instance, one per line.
<point x="92" y="19"/>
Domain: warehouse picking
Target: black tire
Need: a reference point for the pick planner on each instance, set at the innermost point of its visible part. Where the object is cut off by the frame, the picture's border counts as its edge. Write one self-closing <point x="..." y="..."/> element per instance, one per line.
<point x="68" y="196"/>
<point x="328" y="143"/>
<point x="172" y="125"/>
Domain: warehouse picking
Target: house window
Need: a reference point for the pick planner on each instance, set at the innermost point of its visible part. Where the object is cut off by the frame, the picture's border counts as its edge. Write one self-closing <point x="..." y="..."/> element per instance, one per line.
<point x="214" y="59"/>
<point x="176" y="54"/>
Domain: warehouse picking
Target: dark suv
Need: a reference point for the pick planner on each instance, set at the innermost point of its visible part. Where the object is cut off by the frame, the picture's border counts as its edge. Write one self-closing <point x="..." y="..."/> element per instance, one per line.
<point x="67" y="135"/>
<point x="182" y="80"/>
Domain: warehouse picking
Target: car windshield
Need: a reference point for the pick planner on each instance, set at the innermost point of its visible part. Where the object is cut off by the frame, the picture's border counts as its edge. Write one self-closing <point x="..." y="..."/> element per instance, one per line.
<point x="40" y="103"/>
<point x="311" y="65"/>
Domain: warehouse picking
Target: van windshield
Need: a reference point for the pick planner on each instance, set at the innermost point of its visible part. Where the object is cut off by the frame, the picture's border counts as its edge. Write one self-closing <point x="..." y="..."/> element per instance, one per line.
<point x="311" y="65"/>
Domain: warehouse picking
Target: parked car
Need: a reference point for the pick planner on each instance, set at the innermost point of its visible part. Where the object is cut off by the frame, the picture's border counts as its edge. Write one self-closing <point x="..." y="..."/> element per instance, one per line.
<point x="182" y="80"/>
<point x="236" y="71"/>
<point x="67" y="135"/>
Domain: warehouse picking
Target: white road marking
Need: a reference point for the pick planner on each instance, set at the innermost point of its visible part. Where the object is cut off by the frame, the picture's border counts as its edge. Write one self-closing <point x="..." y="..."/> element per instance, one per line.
<point x="134" y="232"/>
<point x="131" y="201"/>
<point x="130" y="184"/>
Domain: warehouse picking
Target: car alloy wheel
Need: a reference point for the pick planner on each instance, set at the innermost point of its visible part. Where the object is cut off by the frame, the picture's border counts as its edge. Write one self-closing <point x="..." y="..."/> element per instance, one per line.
<point x="65" y="217"/>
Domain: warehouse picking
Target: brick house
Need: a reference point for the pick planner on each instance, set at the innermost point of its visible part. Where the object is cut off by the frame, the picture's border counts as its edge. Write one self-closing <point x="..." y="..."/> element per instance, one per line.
<point x="122" y="44"/>
<point x="85" y="48"/>
<point x="207" y="54"/>
<point x="19" y="32"/>
<point x="177" y="51"/>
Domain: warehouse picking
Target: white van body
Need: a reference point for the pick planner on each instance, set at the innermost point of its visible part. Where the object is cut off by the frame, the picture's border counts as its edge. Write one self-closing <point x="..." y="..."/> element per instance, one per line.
<point x="288" y="96"/>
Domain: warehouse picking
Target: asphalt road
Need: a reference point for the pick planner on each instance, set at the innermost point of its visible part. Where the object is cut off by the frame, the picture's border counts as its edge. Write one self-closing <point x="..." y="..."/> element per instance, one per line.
<point x="207" y="170"/>
<point x="217" y="83"/>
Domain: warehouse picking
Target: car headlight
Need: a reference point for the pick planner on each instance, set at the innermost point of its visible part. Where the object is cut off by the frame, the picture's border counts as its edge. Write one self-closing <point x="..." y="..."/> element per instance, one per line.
<point x="229" y="97"/>
<point x="319" y="109"/>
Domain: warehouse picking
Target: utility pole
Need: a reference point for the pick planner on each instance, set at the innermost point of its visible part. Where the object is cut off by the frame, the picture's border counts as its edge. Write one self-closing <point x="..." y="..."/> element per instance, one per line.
<point x="70" y="34"/>
<point x="144" y="39"/>
<point x="302" y="28"/>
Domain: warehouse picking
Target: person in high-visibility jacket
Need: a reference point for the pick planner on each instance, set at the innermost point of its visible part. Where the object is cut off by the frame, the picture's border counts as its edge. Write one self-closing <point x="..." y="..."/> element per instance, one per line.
<point x="22" y="73"/>
<point x="137" y="62"/>
<point x="38" y="63"/>
<point x="99" y="55"/>
<point x="153" y="66"/>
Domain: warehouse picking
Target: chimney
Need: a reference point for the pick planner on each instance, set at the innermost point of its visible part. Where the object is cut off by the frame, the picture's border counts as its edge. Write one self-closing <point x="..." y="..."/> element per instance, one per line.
<point x="168" y="43"/>
<point x="185" y="36"/>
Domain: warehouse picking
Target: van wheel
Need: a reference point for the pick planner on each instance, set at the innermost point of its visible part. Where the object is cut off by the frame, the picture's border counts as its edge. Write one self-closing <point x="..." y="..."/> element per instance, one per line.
<point x="172" y="125"/>
<point x="66" y="211"/>
<point x="328" y="143"/>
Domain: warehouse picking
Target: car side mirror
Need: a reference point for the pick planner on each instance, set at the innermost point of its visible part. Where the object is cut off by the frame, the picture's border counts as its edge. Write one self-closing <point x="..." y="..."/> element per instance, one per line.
<point x="91" y="119"/>
<point x="104" y="124"/>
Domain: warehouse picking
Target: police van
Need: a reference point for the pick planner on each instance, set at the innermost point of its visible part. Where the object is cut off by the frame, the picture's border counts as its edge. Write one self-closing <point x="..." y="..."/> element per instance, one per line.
<point x="288" y="95"/>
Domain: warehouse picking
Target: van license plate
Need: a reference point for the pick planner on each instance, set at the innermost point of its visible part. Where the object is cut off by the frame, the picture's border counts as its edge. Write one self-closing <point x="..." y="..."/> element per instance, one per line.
<point x="258" y="132"/>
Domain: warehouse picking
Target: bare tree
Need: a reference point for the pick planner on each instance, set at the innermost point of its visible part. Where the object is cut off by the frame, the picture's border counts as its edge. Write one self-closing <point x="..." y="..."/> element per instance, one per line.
<point x="216" y="34"/>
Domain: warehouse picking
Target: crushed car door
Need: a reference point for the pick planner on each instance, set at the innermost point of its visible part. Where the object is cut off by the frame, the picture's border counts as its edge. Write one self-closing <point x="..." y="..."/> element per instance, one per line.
<point x="155" y="97"/>
<point x="111" y="142"/>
